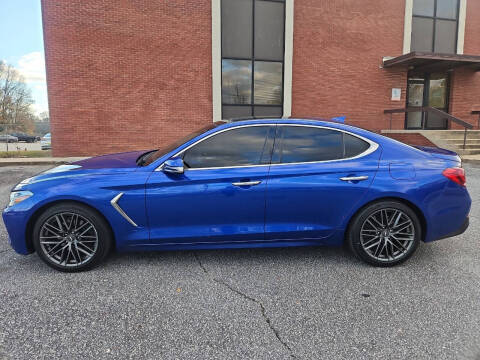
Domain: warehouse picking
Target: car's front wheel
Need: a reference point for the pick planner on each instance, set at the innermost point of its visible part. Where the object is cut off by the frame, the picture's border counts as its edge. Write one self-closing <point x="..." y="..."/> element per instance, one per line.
<point x="71" y="237"/>
<point x="385" y="233"/>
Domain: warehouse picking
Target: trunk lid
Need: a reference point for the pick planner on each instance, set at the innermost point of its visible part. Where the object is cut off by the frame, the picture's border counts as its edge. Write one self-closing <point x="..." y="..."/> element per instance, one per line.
<point x="440" y="153"/>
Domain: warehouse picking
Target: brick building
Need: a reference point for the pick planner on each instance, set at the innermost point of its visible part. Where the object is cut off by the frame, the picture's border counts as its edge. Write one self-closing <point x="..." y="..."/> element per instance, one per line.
<point x="130" y="74"/>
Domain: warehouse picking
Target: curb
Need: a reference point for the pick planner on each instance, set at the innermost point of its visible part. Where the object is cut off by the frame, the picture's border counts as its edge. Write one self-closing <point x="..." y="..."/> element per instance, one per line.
<point x="37" y="161"/>
<point x="471" y="161"/>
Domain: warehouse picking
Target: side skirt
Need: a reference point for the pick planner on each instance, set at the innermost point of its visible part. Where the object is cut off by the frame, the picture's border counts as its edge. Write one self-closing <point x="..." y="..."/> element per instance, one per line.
<point x="231" y="245"/>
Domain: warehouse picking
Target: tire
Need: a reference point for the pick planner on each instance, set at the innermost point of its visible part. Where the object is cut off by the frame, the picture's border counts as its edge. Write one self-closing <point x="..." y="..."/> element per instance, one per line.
<point x="71" y="237"/>
<point x="385" y="233"/>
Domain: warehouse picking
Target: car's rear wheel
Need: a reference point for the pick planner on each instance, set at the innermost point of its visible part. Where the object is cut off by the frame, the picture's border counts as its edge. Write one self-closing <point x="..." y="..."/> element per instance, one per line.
<point x="384" y="233"/>
<point x="71" y="237"/>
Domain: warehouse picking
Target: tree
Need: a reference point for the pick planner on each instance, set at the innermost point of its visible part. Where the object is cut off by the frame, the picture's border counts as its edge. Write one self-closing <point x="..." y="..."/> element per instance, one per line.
<point x="42" y="123"/>
<point x="15" y="99"/>
<point x="44" y="117"/>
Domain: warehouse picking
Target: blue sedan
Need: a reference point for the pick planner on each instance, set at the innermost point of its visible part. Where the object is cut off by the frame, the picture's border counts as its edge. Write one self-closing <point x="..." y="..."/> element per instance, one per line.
<point x="257" y="183"/>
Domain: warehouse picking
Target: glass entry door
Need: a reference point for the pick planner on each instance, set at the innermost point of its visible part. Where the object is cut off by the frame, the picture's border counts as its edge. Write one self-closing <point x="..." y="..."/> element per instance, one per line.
<point x="415" y="98"/>
<point x="427" y="90"/>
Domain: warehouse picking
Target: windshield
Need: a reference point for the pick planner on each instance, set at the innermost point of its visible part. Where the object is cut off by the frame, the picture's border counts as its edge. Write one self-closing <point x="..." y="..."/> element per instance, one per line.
<point x="151" y="157"/>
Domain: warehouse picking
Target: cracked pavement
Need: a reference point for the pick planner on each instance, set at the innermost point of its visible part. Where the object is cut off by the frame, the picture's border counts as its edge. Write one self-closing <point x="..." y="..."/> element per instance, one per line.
<point x="302" y="303"/>
<point x="245" y="296"/>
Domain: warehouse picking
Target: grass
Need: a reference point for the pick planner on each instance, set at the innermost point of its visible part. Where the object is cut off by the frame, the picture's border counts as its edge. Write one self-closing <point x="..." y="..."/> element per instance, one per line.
<point x="25" y="154"/>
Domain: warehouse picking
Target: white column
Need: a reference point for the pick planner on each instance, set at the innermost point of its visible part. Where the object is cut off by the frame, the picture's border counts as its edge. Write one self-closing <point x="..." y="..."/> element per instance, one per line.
<point x="288" y="59"/>
<point x="407" y="29"/>
<point x="216" y="60"/>
<point x="462" y="16"/>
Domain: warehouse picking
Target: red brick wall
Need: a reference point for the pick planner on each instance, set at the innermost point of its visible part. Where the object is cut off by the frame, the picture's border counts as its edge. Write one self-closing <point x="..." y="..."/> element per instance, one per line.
<point x="465" y="83"/>
<point x="126" y="74"/>
<point x="338" y="50"/>
<point x="411" y="139"/>
<point x="464" y="95"/>
<point x="132" y="74"/>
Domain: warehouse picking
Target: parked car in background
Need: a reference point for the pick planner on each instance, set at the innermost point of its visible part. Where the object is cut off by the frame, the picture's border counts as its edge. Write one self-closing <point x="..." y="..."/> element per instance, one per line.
<point x="8" y="138"/>
<point x="25" y="137"/>
<point x="260" y="183"/>
<point x="46" y="142"/>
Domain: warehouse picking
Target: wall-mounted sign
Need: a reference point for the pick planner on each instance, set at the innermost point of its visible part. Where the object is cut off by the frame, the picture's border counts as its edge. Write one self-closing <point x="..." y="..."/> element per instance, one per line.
<point x="396" y="94"/>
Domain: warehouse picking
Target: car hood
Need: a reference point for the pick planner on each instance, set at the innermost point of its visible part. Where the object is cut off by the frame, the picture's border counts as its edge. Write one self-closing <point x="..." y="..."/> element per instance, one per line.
<point x="120" y="160"/>
<point x="98" y="165"/>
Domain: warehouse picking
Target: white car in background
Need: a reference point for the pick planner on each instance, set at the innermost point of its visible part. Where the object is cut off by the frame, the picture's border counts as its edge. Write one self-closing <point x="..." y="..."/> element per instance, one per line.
<point x="8" y="139"/>
<point x="46" y="142"/>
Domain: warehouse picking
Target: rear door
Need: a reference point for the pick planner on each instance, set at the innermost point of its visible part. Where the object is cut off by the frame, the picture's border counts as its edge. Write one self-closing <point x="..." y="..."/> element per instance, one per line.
<point x="317" y="175"/>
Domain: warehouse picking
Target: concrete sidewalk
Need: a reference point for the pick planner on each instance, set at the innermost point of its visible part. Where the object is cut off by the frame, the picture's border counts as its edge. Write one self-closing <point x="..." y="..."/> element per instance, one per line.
<point x="471" y="159"/>
<point x="38" y="161"/>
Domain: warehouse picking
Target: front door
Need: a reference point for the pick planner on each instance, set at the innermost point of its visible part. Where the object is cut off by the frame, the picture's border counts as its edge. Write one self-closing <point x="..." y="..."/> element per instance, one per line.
<point x="220" y="197"/>
<point x="427" y="90"/>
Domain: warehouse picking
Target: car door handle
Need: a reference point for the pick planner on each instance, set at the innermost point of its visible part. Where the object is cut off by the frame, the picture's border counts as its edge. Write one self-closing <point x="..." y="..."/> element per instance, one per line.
<point x="246" y="183"/>
<point x="354" y="178"/>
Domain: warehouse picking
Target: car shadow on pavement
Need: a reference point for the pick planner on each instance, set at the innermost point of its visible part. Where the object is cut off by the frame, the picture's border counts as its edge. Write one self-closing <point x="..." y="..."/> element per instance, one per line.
<point x="259" y="255"/>
<point x="264" y="257"/>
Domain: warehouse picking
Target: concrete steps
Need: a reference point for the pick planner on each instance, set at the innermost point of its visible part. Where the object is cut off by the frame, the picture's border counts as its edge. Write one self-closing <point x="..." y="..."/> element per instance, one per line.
<point x="467" y="151"/>
<point x="453" y="140"/>
<point x="449" y="139"/>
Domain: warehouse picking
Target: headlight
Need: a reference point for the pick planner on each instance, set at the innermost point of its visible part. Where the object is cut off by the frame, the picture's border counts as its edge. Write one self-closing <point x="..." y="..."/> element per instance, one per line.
<point x="18" y="196"/>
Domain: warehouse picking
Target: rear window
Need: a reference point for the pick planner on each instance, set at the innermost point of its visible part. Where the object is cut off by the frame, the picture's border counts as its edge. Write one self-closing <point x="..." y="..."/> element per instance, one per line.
<point x="354" y="146"/>
<point x="299" y="144"/>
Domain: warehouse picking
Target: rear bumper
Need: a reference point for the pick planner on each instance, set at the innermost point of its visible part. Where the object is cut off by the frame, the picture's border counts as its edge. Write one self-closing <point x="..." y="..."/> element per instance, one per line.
<point x="459" y="231"/>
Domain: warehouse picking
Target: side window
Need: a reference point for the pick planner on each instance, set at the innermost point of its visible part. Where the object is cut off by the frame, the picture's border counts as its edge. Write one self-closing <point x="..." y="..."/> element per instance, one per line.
<point x="237" y="147"/>
<point x="298" y="144"/>
<point x="306" y="144"/>
<point x="354" y="146"/>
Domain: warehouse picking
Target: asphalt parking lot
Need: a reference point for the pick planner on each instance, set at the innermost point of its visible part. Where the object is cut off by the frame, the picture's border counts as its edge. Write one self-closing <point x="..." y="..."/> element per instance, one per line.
<point x="305" y="303"/>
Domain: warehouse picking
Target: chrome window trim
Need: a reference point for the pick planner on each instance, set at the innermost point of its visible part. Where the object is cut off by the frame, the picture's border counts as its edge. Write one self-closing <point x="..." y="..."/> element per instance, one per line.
<point x="114" y="203"/>
<point x="372" y="148"/>
<point x="208" y="137"/>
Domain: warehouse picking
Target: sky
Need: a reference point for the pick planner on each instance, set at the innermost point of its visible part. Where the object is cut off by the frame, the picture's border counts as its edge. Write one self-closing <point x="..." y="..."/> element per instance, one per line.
<point x="21" y="45"/>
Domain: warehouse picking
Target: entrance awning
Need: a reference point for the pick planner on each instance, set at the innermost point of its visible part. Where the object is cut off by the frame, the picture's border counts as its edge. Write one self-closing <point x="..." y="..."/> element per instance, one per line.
<point x="431" y="62"/>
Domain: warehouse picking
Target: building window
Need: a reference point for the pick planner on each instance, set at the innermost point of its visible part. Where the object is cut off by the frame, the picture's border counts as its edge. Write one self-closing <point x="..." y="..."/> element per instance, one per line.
<point x="253" y="33"/>
<point x="435" y="26"/>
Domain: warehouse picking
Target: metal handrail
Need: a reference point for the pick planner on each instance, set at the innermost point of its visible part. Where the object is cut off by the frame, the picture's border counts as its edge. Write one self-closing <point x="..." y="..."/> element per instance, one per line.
<point x="477" y="112"/>
<point x="425" y="109"/>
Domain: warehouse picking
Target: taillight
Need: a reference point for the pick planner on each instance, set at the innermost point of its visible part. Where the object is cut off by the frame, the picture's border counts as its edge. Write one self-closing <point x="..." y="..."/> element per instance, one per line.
<point x="455" y="174"/>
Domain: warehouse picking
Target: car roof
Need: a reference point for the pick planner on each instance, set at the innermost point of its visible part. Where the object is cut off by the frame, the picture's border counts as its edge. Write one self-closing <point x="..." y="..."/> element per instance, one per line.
<point x="327" y="123"/>
<point x="300" y="121"/>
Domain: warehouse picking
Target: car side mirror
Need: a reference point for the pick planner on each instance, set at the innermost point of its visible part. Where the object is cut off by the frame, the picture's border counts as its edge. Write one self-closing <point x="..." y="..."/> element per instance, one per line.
<point x="174" y="166"/>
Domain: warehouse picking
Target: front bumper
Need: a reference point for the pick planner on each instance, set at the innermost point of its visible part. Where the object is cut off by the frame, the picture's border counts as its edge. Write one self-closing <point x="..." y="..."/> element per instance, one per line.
<point x="16" y="224"/>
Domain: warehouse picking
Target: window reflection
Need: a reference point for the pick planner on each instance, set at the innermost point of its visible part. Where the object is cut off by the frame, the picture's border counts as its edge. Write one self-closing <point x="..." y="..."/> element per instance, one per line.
<point x="306" y="144"/>
<point x="238" y="147"/>
<point x="268" y="82"/>
<point x="438" y="91"/>
<point x="252" y="57"/>
<point x="236" y="81"/>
